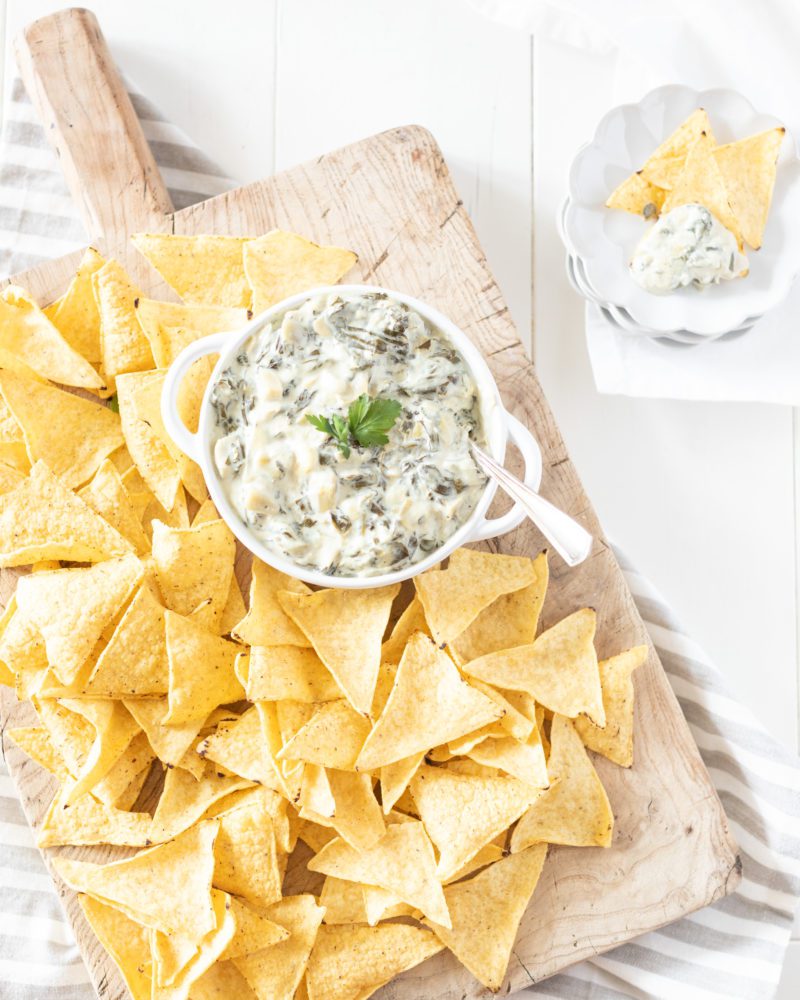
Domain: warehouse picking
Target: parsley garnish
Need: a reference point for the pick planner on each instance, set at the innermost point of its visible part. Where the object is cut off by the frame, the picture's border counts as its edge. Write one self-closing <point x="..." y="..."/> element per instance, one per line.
<point x="368" y="423"/>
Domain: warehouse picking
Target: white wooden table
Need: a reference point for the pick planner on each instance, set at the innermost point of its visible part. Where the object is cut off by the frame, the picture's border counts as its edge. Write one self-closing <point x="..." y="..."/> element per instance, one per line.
<point x="262" y="85"/>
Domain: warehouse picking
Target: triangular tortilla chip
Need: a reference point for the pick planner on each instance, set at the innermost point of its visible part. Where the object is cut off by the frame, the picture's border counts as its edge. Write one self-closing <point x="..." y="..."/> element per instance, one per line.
<point x="395" y="779"/>
<point x="125" y="940"/>
<point x="410" y="621"/>
<point x="275" y="732"/>
<point x="234" y="609"/>
<point x="343" y="900"/>
<point x="107" y="496"/>
<point x="332" y="737"/>
<point x="86" y="821"/>
<point x="615" y="739"/>
<point x="519" y="720"/>
<point x="221" y="982"/>
<point x="382" y="905"/>
<point x="486" y="912"/>
<point x="509" y="621"/>
<point x="238" y="746"/>
<point x="402" y="862"/>
<point x="463" y="813"/>
<point x="167" y="887"/>
<point x="351" y="654"/>
<point x="194" y="565"/>
<point x="184" y="957"/>
<point x="76" y="315"/>
<point x="28" y="333"/>
<point x="185" y="799"/>
<point x="254" y="931"/>
<point x="169" y="743"/>
<point x="201" y="674"/>
<point x="280" y="264"/>
<point x="266" y="623"/>
<point x="42" y="519"/>
<point x="171" y="326"/>
<point x="316" y="795"/>
<point x="430" y="704"/>
<point x="357" y="816"/>
<point x="246" y="859"/>
<point x="123" y="345"/>
<point x="36" y="742"/>
<point x="634" y="194"/>
<point x="524" y="761"/>
<point x="120" y="780"/>
<point x="277" y="673"/>
<point x="748" y="168"/>
<point x="202" y="269"/>
<point x="478" y="578"/>
<point x="559" y="670"/>
<point x="575" y="809"/>
<point x="701" y="183"/>
<point x="350" y="962"/>
<point x="72" y="607"/>
<point x="71" y="734"/>
<point x="665" y="164"/>
<point x="148" y="450"/>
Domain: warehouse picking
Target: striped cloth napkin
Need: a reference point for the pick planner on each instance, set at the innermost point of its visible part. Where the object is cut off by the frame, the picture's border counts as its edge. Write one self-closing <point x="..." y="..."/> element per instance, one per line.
<point x="733" y="949"/>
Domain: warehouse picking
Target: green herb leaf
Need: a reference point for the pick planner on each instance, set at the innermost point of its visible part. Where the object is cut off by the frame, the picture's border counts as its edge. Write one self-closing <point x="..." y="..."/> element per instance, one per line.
<point x="335" y="427"/>
<point x="371" y="420"/>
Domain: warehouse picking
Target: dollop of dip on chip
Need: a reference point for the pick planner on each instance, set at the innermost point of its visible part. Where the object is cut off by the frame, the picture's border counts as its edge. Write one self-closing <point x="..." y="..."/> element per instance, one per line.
<point x="342" y="432"/>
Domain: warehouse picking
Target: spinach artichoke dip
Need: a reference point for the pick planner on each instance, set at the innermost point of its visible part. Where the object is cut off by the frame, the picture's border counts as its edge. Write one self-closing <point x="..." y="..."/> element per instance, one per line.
<point x="342" y="435"/>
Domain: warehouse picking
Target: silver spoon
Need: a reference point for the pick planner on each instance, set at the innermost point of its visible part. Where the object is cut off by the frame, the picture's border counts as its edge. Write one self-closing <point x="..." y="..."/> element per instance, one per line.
<point x="572" y="542"/>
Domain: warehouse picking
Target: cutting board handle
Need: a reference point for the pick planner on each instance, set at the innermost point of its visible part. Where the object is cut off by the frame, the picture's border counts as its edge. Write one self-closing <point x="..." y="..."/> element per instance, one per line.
<point x="87" y="114"/>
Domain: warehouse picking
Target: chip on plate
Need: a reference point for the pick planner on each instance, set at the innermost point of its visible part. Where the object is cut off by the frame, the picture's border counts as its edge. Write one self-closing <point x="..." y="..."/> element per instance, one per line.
<point x="748" y="167"/>
<point x="664" y="165"/>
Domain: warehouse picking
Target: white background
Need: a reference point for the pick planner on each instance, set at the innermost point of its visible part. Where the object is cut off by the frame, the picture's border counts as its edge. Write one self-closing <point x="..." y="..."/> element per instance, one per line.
<point x="702" y="497"/>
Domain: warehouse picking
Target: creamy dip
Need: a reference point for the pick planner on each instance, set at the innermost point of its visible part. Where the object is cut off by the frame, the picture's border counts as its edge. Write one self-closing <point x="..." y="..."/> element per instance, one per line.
<point x="687" y="246"/>
<point x="383" y="506"/>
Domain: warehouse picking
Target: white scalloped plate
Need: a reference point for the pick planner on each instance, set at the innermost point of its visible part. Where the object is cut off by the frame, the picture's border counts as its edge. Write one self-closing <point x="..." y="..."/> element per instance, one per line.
<point x="604" y="239"/>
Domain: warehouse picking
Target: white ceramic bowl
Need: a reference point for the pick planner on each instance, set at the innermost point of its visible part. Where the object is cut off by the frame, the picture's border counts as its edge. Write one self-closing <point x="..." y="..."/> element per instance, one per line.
<point x="603" y="239"/>
<point x="499" y="425"/>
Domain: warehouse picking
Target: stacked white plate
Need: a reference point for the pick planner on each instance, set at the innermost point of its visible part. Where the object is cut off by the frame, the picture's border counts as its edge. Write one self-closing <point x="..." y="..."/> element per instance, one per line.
<point x="600" y="241"/>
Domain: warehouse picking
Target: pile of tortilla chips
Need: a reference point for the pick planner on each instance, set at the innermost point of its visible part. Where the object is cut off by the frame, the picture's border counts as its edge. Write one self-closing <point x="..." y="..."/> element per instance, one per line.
<point x="734" y="181"/>
<point x="324" y="788"/>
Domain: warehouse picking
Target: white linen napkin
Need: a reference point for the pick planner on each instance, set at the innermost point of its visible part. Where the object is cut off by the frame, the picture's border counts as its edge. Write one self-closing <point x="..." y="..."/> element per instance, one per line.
<point x="749" y="47"/>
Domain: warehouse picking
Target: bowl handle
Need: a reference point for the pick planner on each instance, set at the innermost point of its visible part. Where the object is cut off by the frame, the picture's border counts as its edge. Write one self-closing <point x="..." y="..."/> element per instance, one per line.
<point x="493" y="527"/>
<point x="188" y="443"/>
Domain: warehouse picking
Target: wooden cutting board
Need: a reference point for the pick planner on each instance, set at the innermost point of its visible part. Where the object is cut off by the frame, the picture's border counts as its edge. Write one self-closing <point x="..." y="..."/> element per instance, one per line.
<point x="391" y="198"/>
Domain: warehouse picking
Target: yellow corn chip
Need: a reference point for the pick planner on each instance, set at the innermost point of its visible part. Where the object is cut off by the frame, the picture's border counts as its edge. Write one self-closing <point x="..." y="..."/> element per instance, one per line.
<point x="234" y="609"/>
<point x="559" y="670"/>
<point x="170" y="951"/>
<point x="126" y="941"/>
<point x="114" y="730"/>
<point x="107" y="496"/>
<point x="352" y="655"/>
<point x="223" y="981"/>
<point x="357" y="816"/>
<point x="486" y="912"/>
<point x="254" y="931"/>
<point x="276" y="733"/>
<point x="26" y="332"/>
<point x="71" y="734"/>
<point x="487" y="855"/>
<point x="42" y="519"/>
<point x="575" y="809"/>
<point x="276" y="972"/>
<point x="76" y="315"/>
<point x="382" y="905"/>
<point x="201" y="674"/>
<point x="121" y="779"/>
<point x="185" y="799"/>
<point x="332" y="737"/>
<point x="238" y="746"/>
<point x="277" y="673"/>
<point x="123" y="345"/>
<point x="266" y="623"/>
<point x="246" y="861"/>
<point x="167" y="887"/>
<point x="635" y="193"/>
<point x="316" y="795"/>
<point x="343" y="900"/>
<point x="171" y="326"/>
<point x="666" y="163"/>
<point x="169" y="742"/>
<point x="402" y="862"/>
<point x="88" y="821"/>
<point x="395" y="778"/>
<point x="430" y="704"/>
<point x="149" y="451"/>
<point x="615" y="740"/>
<point x="410" y="621"/>
<point x="36" y="742"/>
<point x="515" y="721"/>
<point x="524" y="761"/>
<point x="748" y="169"/>
<point x="9" y="478"/>
<point x="478" y="578"/>
<point x="280" y="264"/>
<point x="463" y="813"/>
<point x="202" y="269"/>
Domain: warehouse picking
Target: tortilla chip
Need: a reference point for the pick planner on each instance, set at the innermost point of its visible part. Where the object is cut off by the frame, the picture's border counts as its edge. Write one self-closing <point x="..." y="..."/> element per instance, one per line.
<point x="134" y="664"/>
<point x="357" y="818"/>
<point x="167" y="887"/>
<point x="194" y="565"/>
<point x="121" y="779"/>
<point x="185" y="799"/>
<point x="486" y="912"/>
<point x="478" y="578"/>
<point x="559" y="670"/>
<point x="125" y="940"/>
<point x="234" y="609"/>
<point x="575" y="809"/>
<point x="316" y="795"/>
<point x="635" y="193"/>
<point x="10" y="478"/>
<point x="343" y="901"/>
<point x="154" y="460"/>
<point x="463" y="813"/>
<point x="201" y="674"/>
<point x="266" y="623"/>
<point x="402" y="862"/>
<point x="246" y="855"/>
<point x="169" y="742"/>
<point x="352" y="655"/>
<point x="332" y="737"/>
<point x="205" y="270"/>
<point x="487" y="855"/>
<point x="382" y="905"/>
<point x="26" y="332"/>
<point x="519" y="720"/>
<point x="36" y="743"/>
<point x="238" y="746"/>
<point x="665" y="165"/>
<point x="430" y="704"/>
<point x="76" y="316"/>
<point x="42" y="519"/>
<point x="281" y="264"/>
<point x="276" y="972"/>
<point x="171" y="326"/>
<point x="276" y="732"/>
<point x="615" y="740"/>
<point x="254" y="931"/>
<point x="701" y="183"/>
<point x="748" y="168"/>
<point x="114" y="729"/>
<point x="396" y="777"/>
<point x="107" y="496"/>
<point x="351" y="961"/>
<point x="197" y="952"/>
<point x="88" y="821"/>
<point x="221" y="982"/>
<point x="123" y="345"/>
<point x="524" y="761"/>
<point x="410" y="621"/>
<point x="178" y="517"/>
<point x="277" y="673"/>
<point x="509" y="621"/>
<point x="71" y="734"/>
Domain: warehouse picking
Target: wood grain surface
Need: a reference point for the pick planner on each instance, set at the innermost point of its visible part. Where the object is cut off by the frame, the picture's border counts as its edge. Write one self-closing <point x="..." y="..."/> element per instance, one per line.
<point x="390" y="198"/>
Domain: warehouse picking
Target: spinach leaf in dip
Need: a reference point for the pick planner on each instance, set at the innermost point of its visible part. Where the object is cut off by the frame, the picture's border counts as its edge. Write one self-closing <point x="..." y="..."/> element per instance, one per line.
<point x="379" y="507"/>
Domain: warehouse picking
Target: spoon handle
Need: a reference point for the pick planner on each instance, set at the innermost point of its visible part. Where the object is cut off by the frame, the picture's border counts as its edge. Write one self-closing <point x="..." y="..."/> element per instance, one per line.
<point x="572" y="542"/>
